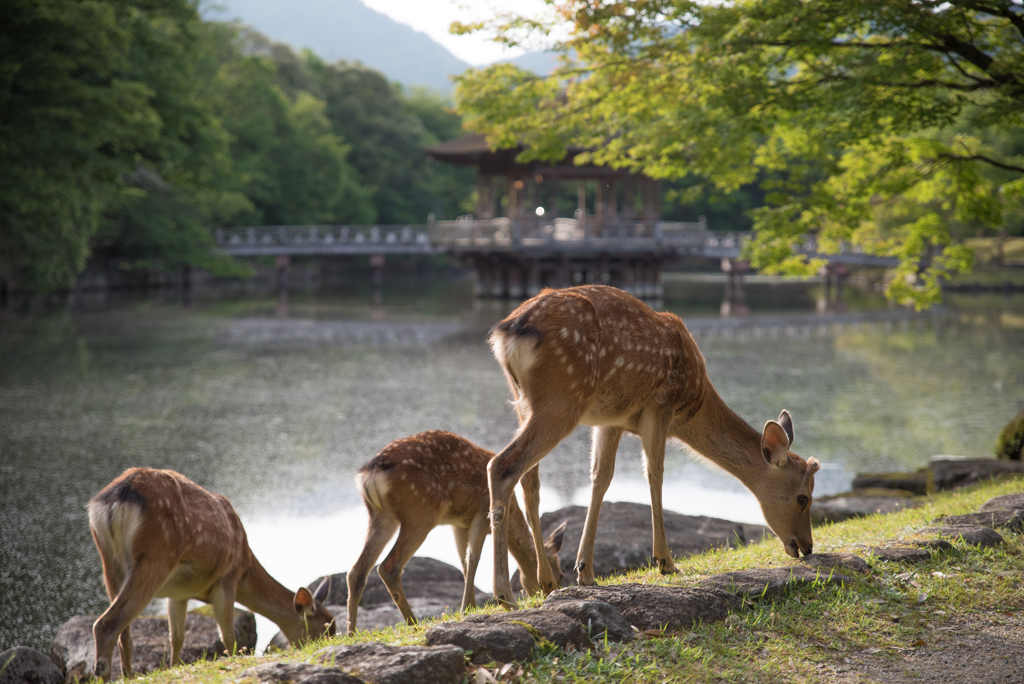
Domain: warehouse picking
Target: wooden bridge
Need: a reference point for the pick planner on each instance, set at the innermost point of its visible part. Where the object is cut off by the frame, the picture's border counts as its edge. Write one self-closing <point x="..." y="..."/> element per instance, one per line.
<point x="516" y="258"/>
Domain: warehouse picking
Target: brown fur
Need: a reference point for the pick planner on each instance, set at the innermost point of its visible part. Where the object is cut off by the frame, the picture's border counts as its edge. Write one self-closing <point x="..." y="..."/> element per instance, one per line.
<point x="429" y="479"/>
<point x="161" y="535"/>
<point x="599" y="356"/>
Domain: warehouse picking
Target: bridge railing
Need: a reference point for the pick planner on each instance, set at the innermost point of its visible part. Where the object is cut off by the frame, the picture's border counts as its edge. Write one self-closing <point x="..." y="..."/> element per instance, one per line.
<point x="290" y="236"/>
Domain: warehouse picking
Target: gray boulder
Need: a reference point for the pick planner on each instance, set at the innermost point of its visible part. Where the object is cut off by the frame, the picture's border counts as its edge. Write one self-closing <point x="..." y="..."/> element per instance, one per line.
<point x="598" y="618"/>
<point x="487" y="641"/>
<point x="861" y="503"/>
<point x="296" y="673"/>
<point x="1007" y="502"/>
<point x="972" y="535"/>
<point x="74" y="649"/>
<point x="770" y="583"/>
<point x="377" y="663"/>
<point x="24" y="665"/>
<point x="421" y="578"/>
<point x="624" y="536"/>
<point x="653" y="606"/>
<point x="556" y="627"/>
<point x="950" y="474"/>
<point x="900" y="554"/>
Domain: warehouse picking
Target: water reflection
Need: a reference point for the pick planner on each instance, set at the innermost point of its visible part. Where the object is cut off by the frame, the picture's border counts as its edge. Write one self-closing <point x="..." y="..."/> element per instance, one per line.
<point x="278" y="412"/>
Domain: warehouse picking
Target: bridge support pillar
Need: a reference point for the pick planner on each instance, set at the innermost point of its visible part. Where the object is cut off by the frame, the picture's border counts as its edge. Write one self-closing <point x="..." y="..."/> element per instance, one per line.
<point x="376" y="270"/>
<point x="533" y="283"/>
<point x="514" y="290"/>
<point x="498" y="288"/>
<point x="283" y="265"/>
<point x="734" y="302"/>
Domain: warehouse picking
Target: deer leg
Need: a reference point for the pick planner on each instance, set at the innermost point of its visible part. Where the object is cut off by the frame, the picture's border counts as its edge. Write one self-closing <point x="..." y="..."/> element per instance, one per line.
<point x="461" y="544"/>
<point x="476" y="534"/>
<point x="653" y="438"/>
<point x="605" y="443"/>
<point x="537" y="437"/>
<point x="222" y="598"/>
<point x="138" y="588"/>
<point x="410" y="538"/>
<point x="381" y="529"/>
<point x="531" y="500"/>
<point x="177" y="611"/>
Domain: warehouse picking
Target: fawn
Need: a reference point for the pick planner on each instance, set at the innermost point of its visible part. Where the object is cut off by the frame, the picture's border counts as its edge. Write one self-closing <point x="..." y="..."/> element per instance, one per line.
<point x="429" y="479"/>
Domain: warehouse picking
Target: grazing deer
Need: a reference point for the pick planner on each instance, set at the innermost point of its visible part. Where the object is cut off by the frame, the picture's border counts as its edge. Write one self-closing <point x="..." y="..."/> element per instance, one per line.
<point x="161" y="535"/>
<point x="430" y="479"/>
<point x="599" y="356"/>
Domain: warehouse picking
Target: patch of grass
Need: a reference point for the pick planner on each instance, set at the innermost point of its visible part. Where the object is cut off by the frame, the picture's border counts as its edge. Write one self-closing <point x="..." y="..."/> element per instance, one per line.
<point x="802" y="637"/>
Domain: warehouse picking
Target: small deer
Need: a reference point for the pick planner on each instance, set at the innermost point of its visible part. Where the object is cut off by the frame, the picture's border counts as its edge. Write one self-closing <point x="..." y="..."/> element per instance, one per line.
<point x="598" y="356"/>
<point x="161" y="535"/>
<point x="430" y="479"/>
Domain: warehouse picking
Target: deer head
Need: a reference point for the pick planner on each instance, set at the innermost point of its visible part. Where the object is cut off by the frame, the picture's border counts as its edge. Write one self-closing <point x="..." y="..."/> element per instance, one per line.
<point x="785" y="487"/>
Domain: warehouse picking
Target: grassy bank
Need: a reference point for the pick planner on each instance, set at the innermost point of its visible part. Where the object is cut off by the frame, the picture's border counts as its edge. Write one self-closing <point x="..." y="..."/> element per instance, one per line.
<point x="813" y="634"/>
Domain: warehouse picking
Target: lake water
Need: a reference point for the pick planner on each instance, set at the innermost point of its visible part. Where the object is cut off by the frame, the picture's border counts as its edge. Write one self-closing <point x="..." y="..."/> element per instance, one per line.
<point x="276" y="406"/>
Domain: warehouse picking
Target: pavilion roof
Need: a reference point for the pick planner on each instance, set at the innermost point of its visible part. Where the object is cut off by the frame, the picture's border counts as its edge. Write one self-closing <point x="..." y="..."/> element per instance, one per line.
<point x="473" y="150"/>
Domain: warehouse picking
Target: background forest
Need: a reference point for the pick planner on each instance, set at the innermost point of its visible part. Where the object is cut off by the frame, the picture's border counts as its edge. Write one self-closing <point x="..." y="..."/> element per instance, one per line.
<point x="128" y="128"/>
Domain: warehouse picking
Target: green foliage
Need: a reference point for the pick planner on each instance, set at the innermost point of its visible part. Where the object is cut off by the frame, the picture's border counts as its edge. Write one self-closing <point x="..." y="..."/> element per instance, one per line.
<point x="894" y="127"/>
<point x="1010" y="445"/>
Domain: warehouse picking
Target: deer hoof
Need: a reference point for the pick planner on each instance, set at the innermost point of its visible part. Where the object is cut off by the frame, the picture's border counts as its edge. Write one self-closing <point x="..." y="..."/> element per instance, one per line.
<point x="666" y="566"/>
<point x="580" y="567"/>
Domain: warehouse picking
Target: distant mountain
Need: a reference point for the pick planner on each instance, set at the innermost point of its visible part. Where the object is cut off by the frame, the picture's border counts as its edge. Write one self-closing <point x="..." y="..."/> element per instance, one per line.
<point x="349" y="30"/>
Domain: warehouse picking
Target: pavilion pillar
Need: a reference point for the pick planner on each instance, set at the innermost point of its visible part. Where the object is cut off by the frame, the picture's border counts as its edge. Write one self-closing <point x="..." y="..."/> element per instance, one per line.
<point x="552" y="207"/>
<point x="629" y="207"/>
<point x="581" y="205"/>
<point x="483" y="182"/>
<point x="491" y="208"/>
<point x="598" y="206"/>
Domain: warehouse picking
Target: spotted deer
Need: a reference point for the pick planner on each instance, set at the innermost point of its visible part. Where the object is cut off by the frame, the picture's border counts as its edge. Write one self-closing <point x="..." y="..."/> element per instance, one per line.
<point x="430" y="479"/>
<point x="161" y="535"/>
<point x="598" y="356"/>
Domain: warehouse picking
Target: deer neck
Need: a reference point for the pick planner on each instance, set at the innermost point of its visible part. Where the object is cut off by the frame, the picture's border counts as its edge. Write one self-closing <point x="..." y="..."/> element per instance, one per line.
<point x="261" y="593"/>
<point x="717" y="433"/>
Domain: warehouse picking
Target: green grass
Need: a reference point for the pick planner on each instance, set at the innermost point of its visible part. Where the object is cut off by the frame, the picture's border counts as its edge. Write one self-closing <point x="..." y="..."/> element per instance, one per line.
<point x="800" y="638"/>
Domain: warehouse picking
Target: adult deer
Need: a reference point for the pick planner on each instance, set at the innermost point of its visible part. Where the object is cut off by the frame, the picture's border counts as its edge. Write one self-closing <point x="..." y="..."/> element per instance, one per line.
<point x="429" y="479"/>
<point x="598" y="356"/>
<point x="161" y="535"/>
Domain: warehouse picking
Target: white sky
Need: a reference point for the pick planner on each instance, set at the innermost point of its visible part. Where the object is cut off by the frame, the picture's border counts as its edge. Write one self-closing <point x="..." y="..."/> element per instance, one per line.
<point x="434" y="16"/>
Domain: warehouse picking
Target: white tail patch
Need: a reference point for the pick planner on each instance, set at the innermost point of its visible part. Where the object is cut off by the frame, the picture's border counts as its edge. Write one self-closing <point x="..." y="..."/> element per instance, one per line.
<point x="374" y="487"/>
<point x="115" y="527"/>
<point x="518" y="354"/>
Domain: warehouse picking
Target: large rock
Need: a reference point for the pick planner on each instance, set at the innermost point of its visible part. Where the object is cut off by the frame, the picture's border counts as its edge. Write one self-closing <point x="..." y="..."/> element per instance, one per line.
<point x="972" y="535"/>
<point x="770" y="583"/>
<point x="1007" y="502"/>
<point x="908" y="483"/>
<point x="950" y="474"/>
<point x="555" y="626"/>
<point x="24" y="665"/>
<point x="487" y="641"/>
<point x="74" y="649"/>
<point x="421" y="578"/>
<point x="624" y="536"/>
<point x="598" y="618"/>
<point x="861" y="503"/>
<point x="1011" y="520"/>
<point x="381" y="664"/>
<point x="653" y="606"/>
<point x="296" y="673"/>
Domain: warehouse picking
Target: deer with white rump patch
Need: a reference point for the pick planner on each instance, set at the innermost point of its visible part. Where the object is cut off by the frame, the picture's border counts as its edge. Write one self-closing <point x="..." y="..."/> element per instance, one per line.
<point x="598" y="356"/>
<point x="161" y="535"/>
<point x="430" y="479"/>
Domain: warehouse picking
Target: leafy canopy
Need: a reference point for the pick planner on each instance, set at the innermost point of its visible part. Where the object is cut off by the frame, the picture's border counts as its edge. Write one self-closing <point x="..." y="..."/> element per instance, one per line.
<point x="877" y="122"/>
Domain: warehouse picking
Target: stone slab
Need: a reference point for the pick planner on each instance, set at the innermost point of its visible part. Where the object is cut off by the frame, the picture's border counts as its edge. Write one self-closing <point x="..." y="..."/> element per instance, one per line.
<point x="599" y="618"/>
<point x="771" y="583"/>
<point x="24" y="665"/>
<point x="377" y="663"/>
<point x="485" y="641"/>
<point x="555" y="626"/>
<point x="656" y="607"/>
<point x="295" y="673"/>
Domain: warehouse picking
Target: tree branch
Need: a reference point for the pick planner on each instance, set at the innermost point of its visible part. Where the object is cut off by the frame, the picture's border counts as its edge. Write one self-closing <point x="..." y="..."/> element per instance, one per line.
<point x="981" y="157"/>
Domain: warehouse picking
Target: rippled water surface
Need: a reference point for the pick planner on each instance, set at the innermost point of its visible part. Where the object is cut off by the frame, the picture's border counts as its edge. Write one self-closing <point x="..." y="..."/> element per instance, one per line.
<point x="276" y="406"/>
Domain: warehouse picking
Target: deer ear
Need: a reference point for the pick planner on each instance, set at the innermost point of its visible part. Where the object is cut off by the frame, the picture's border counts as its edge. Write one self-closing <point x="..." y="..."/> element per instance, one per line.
<point x="323" y="591"/>
<point x="786" y="421"/>
<point x="554" y="540"/>
<point x="775" y="444"/>
<point x="813" y="466"/>
<point x="303" y="600"/>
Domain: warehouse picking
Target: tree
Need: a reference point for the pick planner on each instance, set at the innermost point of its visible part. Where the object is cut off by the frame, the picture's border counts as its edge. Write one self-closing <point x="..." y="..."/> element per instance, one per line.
<point x="875" y="121"/>
<point x="91" y="93"/>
